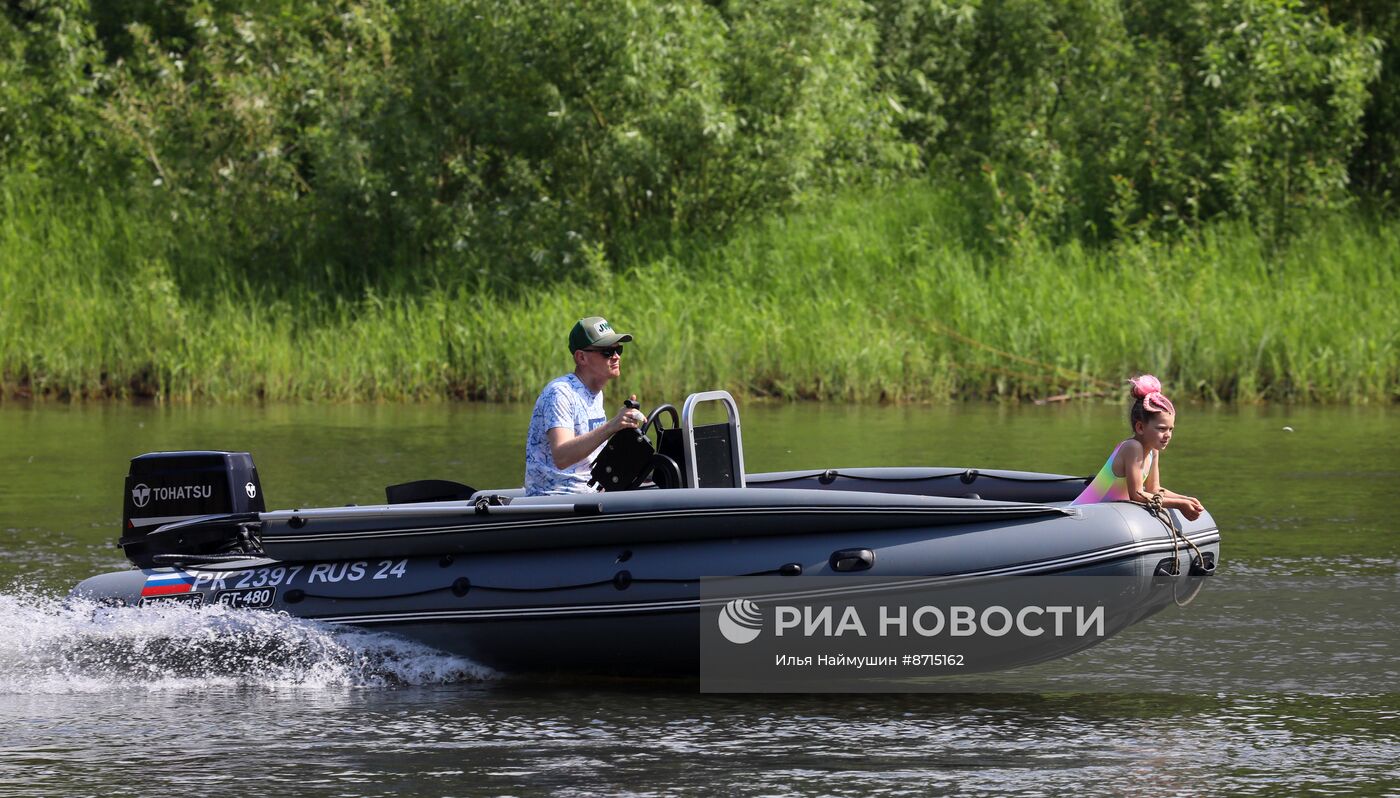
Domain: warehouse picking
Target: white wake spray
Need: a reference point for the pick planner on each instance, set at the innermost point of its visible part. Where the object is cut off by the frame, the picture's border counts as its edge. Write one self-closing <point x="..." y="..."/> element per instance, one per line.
<point x="55" y="645"/>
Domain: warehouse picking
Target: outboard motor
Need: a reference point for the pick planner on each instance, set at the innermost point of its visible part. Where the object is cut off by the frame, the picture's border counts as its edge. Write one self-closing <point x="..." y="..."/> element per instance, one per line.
<point x="168" y="487"/>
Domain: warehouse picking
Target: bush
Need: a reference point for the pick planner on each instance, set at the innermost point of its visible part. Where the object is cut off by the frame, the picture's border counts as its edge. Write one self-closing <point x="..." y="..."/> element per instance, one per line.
<point x="48" y="99"/>
<point x="1099" y="118"/>
<point x="398" y="145"/>
<point x="1375" y="166"/>
<point x="506" y="138"/>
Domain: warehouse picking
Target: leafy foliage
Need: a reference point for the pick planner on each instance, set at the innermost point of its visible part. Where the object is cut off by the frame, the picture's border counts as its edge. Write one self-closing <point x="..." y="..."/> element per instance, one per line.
<point x="1101" y="118"/>
<point x="47" y="94"/>
<point x="355" y="146"/>
<point x="1375" y="166"/>
<point x="477" y="141"/>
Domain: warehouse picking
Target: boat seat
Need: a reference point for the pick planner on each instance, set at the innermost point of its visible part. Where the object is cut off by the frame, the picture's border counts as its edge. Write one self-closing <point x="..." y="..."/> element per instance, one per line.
<point x="715" y="467"/>
<point x="428" y="490"/>
<point x="708" y="455"/>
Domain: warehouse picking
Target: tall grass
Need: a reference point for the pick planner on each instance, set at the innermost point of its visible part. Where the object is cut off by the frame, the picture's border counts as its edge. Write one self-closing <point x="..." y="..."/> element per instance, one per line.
<point x="862" y="297"/>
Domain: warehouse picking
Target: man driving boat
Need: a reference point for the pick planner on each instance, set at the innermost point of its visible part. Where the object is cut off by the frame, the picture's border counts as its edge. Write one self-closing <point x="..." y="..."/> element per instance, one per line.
<point x="569" y="424"/>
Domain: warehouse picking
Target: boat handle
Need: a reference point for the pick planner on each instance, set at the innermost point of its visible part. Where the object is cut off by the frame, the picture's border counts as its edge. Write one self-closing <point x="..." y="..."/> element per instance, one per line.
<point x="847" y="560"/>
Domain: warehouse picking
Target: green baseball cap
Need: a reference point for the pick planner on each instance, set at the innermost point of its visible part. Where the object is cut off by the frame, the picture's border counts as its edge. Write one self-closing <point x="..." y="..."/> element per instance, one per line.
<point x="593" y="332"/>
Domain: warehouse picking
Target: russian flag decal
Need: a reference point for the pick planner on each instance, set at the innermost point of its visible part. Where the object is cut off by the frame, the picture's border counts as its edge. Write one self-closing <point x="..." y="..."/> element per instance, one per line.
<point x="167" y="584"/>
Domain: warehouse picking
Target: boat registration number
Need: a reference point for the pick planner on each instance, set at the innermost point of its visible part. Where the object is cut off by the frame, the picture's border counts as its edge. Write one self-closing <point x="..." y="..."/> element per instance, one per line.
<point x="223" y="582"/>
<point x="257" y="598"/>
<point x="178" y="598"/>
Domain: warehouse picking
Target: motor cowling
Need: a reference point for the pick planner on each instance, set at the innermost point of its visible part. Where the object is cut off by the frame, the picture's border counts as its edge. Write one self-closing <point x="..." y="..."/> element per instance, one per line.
<point x="168" y="487"/>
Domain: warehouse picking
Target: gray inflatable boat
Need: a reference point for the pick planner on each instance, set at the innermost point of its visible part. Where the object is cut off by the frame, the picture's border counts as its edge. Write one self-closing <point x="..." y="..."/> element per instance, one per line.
<point x="616" y="581"/>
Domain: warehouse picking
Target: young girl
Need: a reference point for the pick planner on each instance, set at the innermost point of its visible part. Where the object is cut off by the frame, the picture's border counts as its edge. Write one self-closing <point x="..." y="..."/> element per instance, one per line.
<point x="1131" y="473"/>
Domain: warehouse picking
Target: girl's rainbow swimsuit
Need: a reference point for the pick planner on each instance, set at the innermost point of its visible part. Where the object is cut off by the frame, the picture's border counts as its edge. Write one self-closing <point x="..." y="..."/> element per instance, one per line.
<point x="1106" y="487"/>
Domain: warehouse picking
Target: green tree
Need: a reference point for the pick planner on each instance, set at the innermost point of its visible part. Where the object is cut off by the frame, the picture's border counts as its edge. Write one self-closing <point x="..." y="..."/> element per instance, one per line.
<point x="1103" y="117"/>
<point x="1375" y="166"/>
<point x="48" y="87"/>
<point x="513" y="139"/>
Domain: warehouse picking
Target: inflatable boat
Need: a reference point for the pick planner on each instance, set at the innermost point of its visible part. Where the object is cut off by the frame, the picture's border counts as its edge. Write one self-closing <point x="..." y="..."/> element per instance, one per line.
<point x="617" y="581"/>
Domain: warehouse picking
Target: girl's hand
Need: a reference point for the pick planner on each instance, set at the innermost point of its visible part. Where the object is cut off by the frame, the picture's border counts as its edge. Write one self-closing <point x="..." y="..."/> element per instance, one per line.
<point x="1191" y="507"/>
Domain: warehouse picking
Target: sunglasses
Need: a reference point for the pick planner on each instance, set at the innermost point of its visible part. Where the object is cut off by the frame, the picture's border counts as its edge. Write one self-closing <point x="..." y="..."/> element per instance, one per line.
<point x="616" y="350"/>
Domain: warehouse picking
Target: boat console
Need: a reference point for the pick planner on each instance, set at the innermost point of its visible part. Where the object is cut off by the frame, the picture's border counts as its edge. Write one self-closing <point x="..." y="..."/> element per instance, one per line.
<point x="685" y="454"/>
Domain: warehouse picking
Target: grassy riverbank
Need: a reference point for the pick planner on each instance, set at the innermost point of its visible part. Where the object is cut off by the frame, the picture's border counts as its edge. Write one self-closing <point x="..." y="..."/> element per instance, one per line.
<point x="866" y="297"/>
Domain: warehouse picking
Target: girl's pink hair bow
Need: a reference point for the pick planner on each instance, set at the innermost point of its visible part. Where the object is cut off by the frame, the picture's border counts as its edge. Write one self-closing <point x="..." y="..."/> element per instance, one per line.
<point x="1149" y="389"/>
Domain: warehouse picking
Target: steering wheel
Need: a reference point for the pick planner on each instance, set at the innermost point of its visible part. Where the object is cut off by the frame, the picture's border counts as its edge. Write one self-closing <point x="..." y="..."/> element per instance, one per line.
<point x="655" y="418"/>
<point x="664" y="471"/>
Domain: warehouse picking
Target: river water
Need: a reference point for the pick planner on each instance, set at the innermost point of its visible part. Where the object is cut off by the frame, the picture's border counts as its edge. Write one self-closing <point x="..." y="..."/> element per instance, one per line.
<point x="162" y="701"/>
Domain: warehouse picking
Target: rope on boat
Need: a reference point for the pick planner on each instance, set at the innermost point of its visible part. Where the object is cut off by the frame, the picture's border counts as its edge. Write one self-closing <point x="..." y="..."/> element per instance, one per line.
<point x="966" y="475"/>
<point x="1155" y="508"/>
<point x="462" y="586"/>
